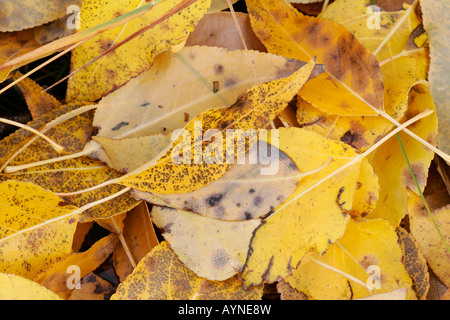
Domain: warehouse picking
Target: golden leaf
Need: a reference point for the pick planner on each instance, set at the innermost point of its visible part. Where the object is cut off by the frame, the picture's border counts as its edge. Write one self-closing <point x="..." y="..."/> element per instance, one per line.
<point x="162" y="276"/>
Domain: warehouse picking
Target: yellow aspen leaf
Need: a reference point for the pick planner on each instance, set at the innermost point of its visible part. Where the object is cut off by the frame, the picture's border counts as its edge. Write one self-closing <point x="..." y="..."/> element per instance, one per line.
<point x="415" y="263"/>
<point x="436" y="24"/>
<point x="254" y="109"/>
<point x="242" y="193"/>
<point x="424" y="232"/>
<point x="140" y="238"/>
<point x="13" y="44"/>
<point x="219" y="30"/>
<point x="402" y="62"/>
<point x="136" y="56"/>
<point x="367" y="191"/>
<point x="57" y="276"/>
<point x="390" y="165"/>
<point x="66" y="175"/>
<point x="351" y="83"/>
<point x="16" y="15"/>
<point x="368" y="252"/>
<point x="38" y="102"/>
<point x="126" y="155"/>
<point x="141" y="108"/>
<point x="385" y="40"/>
<point x="13" y="287"/>
<point x="358" y="132"/>
<point x="314" y="216"/>
<point x="36" y="228"/>
<point x="211" y="248"/>
<point x="80" y="235"/>
<point x="162" y="276"/>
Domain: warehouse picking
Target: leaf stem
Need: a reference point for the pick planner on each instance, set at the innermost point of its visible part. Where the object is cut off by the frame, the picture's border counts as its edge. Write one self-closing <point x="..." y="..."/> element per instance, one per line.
<point x="58" y="148"/>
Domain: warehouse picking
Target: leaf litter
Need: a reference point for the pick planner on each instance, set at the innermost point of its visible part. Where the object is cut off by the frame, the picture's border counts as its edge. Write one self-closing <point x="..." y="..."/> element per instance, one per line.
<point x="329" y="93"/>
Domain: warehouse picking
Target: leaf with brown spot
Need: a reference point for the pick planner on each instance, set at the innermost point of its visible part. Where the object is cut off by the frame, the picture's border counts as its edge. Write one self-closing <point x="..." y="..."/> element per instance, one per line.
<point x="351" y="83"/>
<point x="36" y="228"/>
<point x="64" y="176"/>
<point x="365" y="244"/>
<point x="243" y="192"/>
<point x="38" y="102"/>
<point x="415" y="263"/>
<point x="162" y="276"/>
<point x="211" y="248"/>
<point x="141" y="108"/>
<point x="314" y="216"/>
<point x="424" y="232"/>
<point x="254" y="109"/>
<point x="55" y="278"/>
<point x="115" y="69"/>
<point x="16" y="15"/>
<point x="390" y="165"/>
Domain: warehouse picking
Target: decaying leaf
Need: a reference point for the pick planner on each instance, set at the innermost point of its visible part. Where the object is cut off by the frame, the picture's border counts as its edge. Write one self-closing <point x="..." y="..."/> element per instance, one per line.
<point x="162" y="276"/>
<point x="242" y="193"/>
<point x="16" y="15"/>
<point x="212" y="248"/>
<point x="390" y="165"/>
<point x="424" y="232"/>
<point x="415" y="263"/>
<point x="38" y="102"/>
<point x="66" y="175"/>
<point x="13" y="287"/>
<point x="55" y="278"/>
<point x="314" y="216"/>
<point x="368" y="252"/>
<point x="351" y="83"/>
<point x="219" y="30"/>
<point x="36" y="228"/>
<point x="141" y="107"/>
<point x="117" y="68"/>
<point x="437" y="25"/>
<point x="139" y="238"/>
<point x="254" y="109"/>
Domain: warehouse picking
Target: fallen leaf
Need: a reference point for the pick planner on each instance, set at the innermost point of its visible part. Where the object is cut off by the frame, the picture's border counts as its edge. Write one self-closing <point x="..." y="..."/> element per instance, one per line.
<point x="219" y="30"/>
<point x="140" y="108"/>
<point x="66" y="175"/>
<point x="434" y="15"/>
<point x="93" y="287"/>
<point x="57" y="276"/>
<point x="368" y="252"/>
<point x="424" y="232"/>
<point x="314" y="216"/>
<point x="254" y="109"/>
<point x="16" y="15"/>
<point x="117" y="68"/>
<point x="38" y="102"/>
<point x="14" y="44"/>
<point x="139" y="237"/>
<point x="390" y="165"/>
<point x="351" y="83"/>
<point x="212" y="249"/>
<point x="36" y="228"/>
<point x="415" y="263"/>
<point x="242" y="193"/>
<point x="13" y="287"/>
<point x="162" y="276"/>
